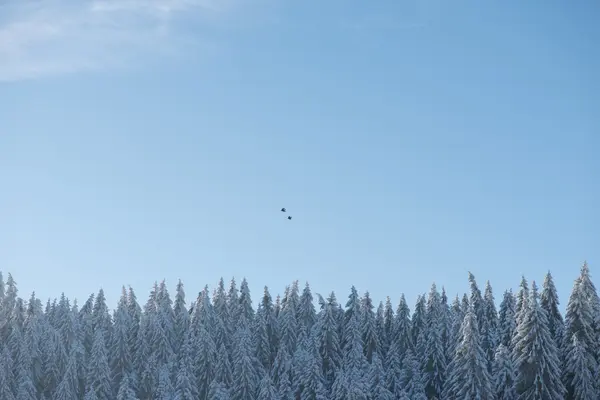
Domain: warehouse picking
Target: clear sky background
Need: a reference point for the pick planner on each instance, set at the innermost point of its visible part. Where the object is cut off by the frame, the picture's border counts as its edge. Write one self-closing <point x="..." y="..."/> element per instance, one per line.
<point x="411" y="141"/>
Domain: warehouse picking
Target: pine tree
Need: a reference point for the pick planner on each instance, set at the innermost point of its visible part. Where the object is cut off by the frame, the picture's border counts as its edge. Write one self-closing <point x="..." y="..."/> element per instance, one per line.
<point x="490" y="337"/>
<point x="223" y="368"/>
<point x="579" y="338"/>
<point x="7" y="378"/>
<point x="326" y="334"/>
<point x="126" y="392"/>
<point x="549" y="302"/>
<point x="377" y="381"/>
<point x="418" y="322"/>
<point x="246" y="312"/>
<point x="507" y="320"/>
<point x="411" y="379"/>
<point x="185" y="383"/>
<point x="246" y="379"/>
<point x="120" y="356"/>
<point x="165" y="390"/>
<point x="181" y="318"/>
<point x="535" y="354"/>
<point x="505" y="374"/>
<point x="266" y="390"/>
<point x="98" y="375"/>
<point x="434" y="357"/>
<point x="402" y="328"/>
<point x="369" y="328"/>
<point x="469" y="377"/>
<point x="307" y="315"/>
<point x="582" y="384"/>
<point x="218" y="391"/>
<point x="206" y="356"/>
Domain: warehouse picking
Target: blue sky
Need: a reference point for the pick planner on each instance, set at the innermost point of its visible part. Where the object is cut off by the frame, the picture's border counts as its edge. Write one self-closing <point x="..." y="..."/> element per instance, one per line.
<point x="411" y="141"/>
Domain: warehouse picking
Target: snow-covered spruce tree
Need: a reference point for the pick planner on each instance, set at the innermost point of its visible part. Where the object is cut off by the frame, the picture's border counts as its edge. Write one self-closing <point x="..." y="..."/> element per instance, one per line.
<point x="377" y="381"/>
<point x="504" y="374"/>
<point x="355" y="364"/>
<point x="549" y="302"/>
<point x="433" y="358"/>
<point x="456" y="318"/>
<point x="521" y="300"/>
<point x="446" y="324"/>
<point x="288" y="325"/>
<point x="579" y="339"/>
<point x="311" y="380"/>
<point x="382" y="339"/>
<point x="68" y="388"/>
<point x="411" y="379"/>
<point x="507" y="319"/>
<point x="218" y="391"/>
<point x="181" y="318"/>
<point x="418" y="322"/>
<point x="246" y="379"/>
<point x="101" y="319"/>
<point x="468" y="376"/>
<point x="164" y="390"/>
<point x="205" y="361"/>
<point x="282" y="366"/>
<point x="578" y="360"/>
<point x="535" y="354"/>
<point x="369" y="328"/>
<point x="388" y="327"/>
<point x="223" y="368"/>
<point x="490" y="338"/>
<point x="185" y="383"/>
<point x="7" y="378"/>
<point x="222" y="315"/>
<point x="326" y="334"/>
<point x="120" y="358"/>
<point x="307" y="315"/>
<point x="265" y="332"/>
<point x="126" y="391"/>
<point x="353" y="307"/>
<point x="245" y="310"/>
<point x="98" y="375"/>
<point x="266" y="390"/>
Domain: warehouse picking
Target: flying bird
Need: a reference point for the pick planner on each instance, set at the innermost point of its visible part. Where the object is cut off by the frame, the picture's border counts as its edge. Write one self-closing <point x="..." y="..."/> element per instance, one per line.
<point x="290" y="217"/>
<point x="283" y="210"/>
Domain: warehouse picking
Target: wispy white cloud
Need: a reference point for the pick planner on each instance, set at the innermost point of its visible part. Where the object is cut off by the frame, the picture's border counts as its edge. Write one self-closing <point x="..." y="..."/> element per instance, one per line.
<point x="49" y="37"/>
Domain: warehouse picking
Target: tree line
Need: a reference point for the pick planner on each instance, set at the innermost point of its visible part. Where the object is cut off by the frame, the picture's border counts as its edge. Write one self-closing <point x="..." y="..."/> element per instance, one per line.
<point x="300" y="347"/>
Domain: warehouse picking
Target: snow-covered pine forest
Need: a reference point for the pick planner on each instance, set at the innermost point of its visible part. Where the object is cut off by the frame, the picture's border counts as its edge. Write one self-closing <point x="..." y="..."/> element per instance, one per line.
<point x="302" y="346"/>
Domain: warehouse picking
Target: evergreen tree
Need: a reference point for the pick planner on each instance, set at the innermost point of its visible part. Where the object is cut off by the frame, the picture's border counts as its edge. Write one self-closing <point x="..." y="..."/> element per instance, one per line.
<point x="98" y="375"/>
<point x="579" y="340"/>
<point x="246" y="379"/>
<point x="535" y="354"/>
<point x="418" y="323"/>
<point x="411" y="379"/>
<point x="369" y="328"/>
<point x="120" y="356"/>
<point x="490" y="337"/>
<point x="126" y="392"/>
<point x="507" y="320"/>
<point x="549" y="302"/>
<point x="326" y="333"/>
<point x="266" y="390"/>
<point x="434" y="358"/>
<point x="505" y="374"/>
<point x="469" y="377"/>
<point x="185" y="384"/>
<point x="307" y="315"/>
<point x="165" y="390"/>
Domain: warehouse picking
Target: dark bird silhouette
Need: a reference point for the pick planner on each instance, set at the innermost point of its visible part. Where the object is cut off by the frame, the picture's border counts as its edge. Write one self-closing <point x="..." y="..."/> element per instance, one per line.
<point x="290" y="217"/>
<point x="283" y="210"/>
